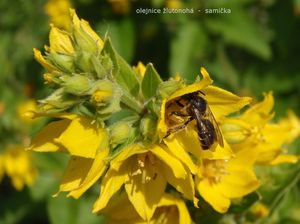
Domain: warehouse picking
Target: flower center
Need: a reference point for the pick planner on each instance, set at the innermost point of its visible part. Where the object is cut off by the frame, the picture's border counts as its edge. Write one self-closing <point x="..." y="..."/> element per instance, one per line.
<point x="146" y="167"/>
<point x="214" y="170"/>
<point x="101" y="95"/>
<point x="165" y="214"/>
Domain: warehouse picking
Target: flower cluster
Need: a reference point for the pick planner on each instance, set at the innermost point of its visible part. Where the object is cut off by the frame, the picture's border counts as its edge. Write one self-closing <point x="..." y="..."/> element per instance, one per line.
<point x="152" y="144"/>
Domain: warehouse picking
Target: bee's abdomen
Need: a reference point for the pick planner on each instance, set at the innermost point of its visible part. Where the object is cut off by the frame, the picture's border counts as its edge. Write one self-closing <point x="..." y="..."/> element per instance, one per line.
<point x="206" y="133"/>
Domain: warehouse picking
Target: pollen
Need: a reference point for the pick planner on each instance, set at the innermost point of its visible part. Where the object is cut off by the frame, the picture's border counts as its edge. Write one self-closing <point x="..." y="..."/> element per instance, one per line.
<point x="215" y="170"/>
<point x="145" y="166"/>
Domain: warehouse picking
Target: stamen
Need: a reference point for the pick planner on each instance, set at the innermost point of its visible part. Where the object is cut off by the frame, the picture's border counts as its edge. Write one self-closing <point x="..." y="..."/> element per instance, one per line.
<point x="215" y="170"/>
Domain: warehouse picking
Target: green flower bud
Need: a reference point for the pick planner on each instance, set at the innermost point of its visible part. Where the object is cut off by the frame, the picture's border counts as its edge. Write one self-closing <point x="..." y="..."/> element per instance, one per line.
<point x="119" y="133"/>
<point x="148" y="126"/>
<point x="84" y="41"/>
<point x="102" y="65"/>
<point x="107" y="63"/>
<point x="83" y="61"/>
<point x="62" y="62"/>
<point x="57" y="101"/>
<point x="78" y="85"/>
<point x="233" y="133"/>
<point x="106" y="95"/>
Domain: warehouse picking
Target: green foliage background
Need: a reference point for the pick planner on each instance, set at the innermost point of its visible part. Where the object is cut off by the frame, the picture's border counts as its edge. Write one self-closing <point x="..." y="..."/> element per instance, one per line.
<point x="253" y="49"/>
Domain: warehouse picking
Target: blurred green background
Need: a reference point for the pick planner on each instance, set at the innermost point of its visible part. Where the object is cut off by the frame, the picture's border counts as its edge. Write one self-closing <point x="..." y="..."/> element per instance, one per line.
<point x="253" y="49"/>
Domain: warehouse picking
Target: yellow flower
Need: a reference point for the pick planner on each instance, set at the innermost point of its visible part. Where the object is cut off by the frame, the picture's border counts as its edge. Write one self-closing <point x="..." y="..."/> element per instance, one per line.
<point x="82" y="173"/>
<point x="77" y="135"/>
<point x="275" y="137"/>
<point x="60" y="42"/>
<point x="25" y="109"/>
<point x="220" y="102"/>
<point x="58" y="11"/>
<point x="64" y="43"/>
<point x="2" y="171"/>
<point x="40" y="59"/>
<point x="259" y="210"/>
<point x="220" y="180"/>
<point x="169" y="210"/>
<point x="253" y="131"/>
<point x="145" y="172"/>
<point x="17" y="164"/>
<point x="246" y="128"/>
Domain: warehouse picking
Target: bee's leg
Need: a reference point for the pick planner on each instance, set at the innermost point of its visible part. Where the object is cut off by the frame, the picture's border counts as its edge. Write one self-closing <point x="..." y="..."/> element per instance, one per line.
<point x="199" y="91"/>
<point x="178" y="127"/>
<point x="177" y="113"/>
<point x="179" y="104"/>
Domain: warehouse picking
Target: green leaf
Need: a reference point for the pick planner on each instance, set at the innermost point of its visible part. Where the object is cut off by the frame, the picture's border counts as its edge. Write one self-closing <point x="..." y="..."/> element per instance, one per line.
<point x="122" y="72"/>
<point x="122" y="34"/>
<point x="150" y="82"/>
<point x="188" y="49"/>
<point x="70" y="211"/>
<point x="244" y="204"/>
<point x="241" y="30"/>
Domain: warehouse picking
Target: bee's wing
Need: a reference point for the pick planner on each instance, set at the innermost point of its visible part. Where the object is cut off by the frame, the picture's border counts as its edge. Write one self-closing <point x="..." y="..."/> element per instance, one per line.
<point x="211" y="117"/>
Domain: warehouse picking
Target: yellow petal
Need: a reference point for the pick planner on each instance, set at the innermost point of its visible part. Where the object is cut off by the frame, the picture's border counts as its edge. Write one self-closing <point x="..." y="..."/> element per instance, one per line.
<point x="243" y="159"/>
<point x="176" y="166"/>
<point x="145" y="196"/>
<point x="75" y="173"/>
<point x="39" y="57"/>
<point x="238" y="183"/>
<point x="260" y="111"/>
<point x="188" y="140"/>
<point x="44" y="140"/>
<point x="140" y="69"/>
<point x="280" y="159"/>
<point x="121" y="210"/>
<point x="185" y="186"/>
<point x="175" y="148"/>
<point x="222" y="102"/>
<point x="161" y="126"/>
<point x="206" y="81"/>
<point x="83" y="32"/>
<point x="292" y="124"/>
<point x="60" y="41"/>
<point x="111" y="183"/>
<point x="170" y="200"/>
<point x="1" y="167"/>
<point x="126" y="153"/>
<point x="97" y="169"/>
<point x="213" y="196"/>
<point x="82" y="138"/>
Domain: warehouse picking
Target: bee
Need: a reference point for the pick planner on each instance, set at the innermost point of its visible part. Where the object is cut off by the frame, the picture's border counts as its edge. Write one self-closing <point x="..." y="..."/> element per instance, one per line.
<point x="193" y="106"/>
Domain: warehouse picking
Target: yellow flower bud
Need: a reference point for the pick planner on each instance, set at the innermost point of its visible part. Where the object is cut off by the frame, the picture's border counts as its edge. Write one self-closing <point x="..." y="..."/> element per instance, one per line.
<point x="259" y="210"/>
<point x="234" y="133"/>
<point x="103" y="91"/>
<point x="85" y="38"/>
<point x="101" y="96"/>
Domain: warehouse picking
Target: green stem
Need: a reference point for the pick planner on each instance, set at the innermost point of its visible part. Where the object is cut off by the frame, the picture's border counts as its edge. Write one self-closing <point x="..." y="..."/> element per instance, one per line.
<point x="284" y="191"/>
<point x="132" y="103"/>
